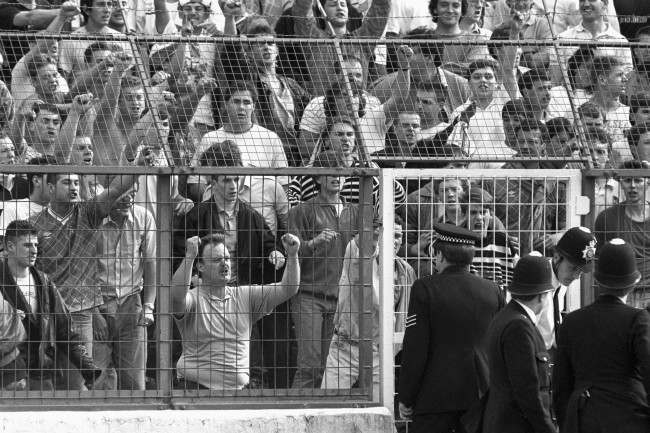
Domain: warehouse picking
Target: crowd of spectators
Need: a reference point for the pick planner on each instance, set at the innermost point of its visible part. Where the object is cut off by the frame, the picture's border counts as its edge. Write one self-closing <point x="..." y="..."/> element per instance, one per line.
<point x="266" y="269"/>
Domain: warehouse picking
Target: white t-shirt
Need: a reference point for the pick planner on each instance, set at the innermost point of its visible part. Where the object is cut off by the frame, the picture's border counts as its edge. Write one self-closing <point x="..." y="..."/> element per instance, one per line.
<point x="259" y="147"/>
<point x="21" y="209"/>
<point x="27" y="286"/>
<point x="71" y="51"/>
<point x="141" y="17"/>
<point x="372" y="125"/>
<point x="216" y="333"/>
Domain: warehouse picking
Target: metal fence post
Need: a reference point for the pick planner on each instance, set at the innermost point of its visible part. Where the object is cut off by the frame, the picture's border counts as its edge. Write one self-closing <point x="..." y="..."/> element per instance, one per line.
<point x="164" y="242"/>
<point x="365" y="218"/>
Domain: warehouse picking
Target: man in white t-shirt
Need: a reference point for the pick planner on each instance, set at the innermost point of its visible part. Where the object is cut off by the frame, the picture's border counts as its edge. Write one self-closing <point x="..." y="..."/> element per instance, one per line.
<point x="97" y="14"/>
<point x="215" y="320"/>
<point x="259" y="147"/>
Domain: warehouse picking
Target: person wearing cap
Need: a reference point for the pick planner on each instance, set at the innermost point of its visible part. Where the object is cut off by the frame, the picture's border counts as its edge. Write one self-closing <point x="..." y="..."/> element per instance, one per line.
<point x="444" y="354"/>
<point x="519" y="399"/>
<point x="601" y="378"/>
<point x="572" y="256"/>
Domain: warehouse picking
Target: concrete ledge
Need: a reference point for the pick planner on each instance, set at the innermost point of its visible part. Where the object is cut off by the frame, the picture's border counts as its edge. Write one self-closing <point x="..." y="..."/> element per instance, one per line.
<point x="366" y="420"/>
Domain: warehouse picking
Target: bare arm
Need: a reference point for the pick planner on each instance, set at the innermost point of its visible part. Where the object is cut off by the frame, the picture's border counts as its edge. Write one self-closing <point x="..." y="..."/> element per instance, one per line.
<point x="304" y="22"/>
<point x="402" y="85"/>
<point x="37" y="18"/>
<point x="162" y="15"/>
<point x="181" y="280"/>
<point x="80" y="105"/>
<point x="67" y="11"/>
<point x="291" y="278"/>
<point x="375" y="21"/>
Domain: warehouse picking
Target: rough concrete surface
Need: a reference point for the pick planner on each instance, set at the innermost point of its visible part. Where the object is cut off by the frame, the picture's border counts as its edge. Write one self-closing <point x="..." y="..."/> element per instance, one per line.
<point x="367" y="420"/>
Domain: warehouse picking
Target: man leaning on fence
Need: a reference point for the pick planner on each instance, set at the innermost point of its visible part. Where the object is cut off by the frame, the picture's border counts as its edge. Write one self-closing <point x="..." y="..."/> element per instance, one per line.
<point x="39" y="349"/>
<point x="444" y="358"/>
<point x="215" y="319"/>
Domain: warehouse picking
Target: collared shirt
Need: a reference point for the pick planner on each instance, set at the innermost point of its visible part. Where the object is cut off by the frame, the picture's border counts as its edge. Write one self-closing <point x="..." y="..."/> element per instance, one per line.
<point x="123" y="250"/>
<point x="530" y="313"/>
<point x="68" y="247"/>
<point x="216" y="333"/>
<point x="546" y="323"/>
<point x="623" y="54"/>
<point x="484" y="136"/>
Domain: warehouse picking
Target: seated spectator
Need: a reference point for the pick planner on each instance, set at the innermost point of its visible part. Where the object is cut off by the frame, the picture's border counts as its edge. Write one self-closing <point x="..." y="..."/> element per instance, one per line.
<point x="447" y="15"/>
<point x="543" y="101"/>
<point x="342" y="366"/>
<point x="560" y="141"/>
<point x="12" y="187"/>
<point x="373" y="116"/>
<point x="248" y="237"/>
<point x="281" y="100"/>
<point x="639" y="141"/>
<point x="97" y="14"/>
<point x="258" y="146"/>
<point x="593" y="26"/>
<point x="311" y="23"/>
<point x="579" y="74"/>
<point x="21" y="81"/>
<point x="216" y="338"/>
<point x="39" y="196"/>
<point x="127" y="274"/>
<point x="483" y="135"/>
<point x="341" y="139"/>
<point x="68" y="239"/>
<point x="426" y="70"/>
<point x="639" y="109"/>
<point x="608" y="76"/>
<point x="629" y="221"/>
<point x="522" y="23"/>
<point x="599" y="142"/>
<point x="41" y="350"/>
<point x="495" y="255"/>
<point x="639" y="80"/>
<point x="324" y="225"/>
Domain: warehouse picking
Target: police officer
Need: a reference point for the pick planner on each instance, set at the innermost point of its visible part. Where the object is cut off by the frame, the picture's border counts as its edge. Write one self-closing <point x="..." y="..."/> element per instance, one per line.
<point x="601" y="379"/>
<point x="573" y="256"/>
<point x="444" y="363"/>
<point x="519" y="400"/>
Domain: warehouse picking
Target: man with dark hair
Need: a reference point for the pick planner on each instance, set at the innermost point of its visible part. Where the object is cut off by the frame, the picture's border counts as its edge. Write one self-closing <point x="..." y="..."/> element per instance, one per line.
<point x="68" y="238"/>
<point x="560" y="138"/>
<point x="630" y="221"/>
<point x="601" y="378"/>
<point x="444" y="367"/>
<point x="215" y="318"/>
<point x="519" y="399"/>
<point x="40" y="349"/>
<point x="324" y="224"/>
<point x="39" y="196"/>
<point x="639" y="139"/>
<point x="639" y="108"/>
<point x="543" y="101"/>
<point x="599" y="143"/>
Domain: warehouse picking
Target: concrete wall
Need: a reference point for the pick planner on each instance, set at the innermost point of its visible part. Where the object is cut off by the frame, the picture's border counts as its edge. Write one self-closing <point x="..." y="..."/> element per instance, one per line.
<point x="367" y="420"/>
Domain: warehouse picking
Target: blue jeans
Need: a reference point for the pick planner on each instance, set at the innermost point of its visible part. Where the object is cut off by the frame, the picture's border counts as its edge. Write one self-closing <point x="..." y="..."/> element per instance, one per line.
<point x="313" y="318"/>
<point x="124" y="356"/>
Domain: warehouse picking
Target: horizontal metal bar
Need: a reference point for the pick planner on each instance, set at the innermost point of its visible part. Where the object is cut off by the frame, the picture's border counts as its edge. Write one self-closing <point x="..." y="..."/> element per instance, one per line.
<point x="137" y="170"/>
<point x="311" y="41"/>
<point x="627" y="172"/>
<point x="469" y="159"/>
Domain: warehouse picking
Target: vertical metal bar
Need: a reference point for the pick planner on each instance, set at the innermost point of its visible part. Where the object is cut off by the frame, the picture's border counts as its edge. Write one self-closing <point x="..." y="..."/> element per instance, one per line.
<point x="164" y="271"/>
<point x="587" y="289"/>
<point x="365" y="218"/>
<point x="386" y="299"/>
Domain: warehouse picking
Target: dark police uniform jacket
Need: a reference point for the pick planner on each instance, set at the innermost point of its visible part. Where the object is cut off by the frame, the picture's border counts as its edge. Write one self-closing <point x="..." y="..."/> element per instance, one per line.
<point x="444" y="364"/>
<point x="519" y="400"/>
<point x="602" y="373"/>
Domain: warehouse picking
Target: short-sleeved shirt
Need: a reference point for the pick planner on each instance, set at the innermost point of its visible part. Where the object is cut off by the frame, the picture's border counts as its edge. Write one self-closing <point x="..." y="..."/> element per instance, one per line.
<point x="216" y="333"/>
<point x="122" y="251"/>
<point x="68" y="248"/>
<point x="259" y="147"/>
<point x="372" y="125"/>
<point x="71" y="51"/>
